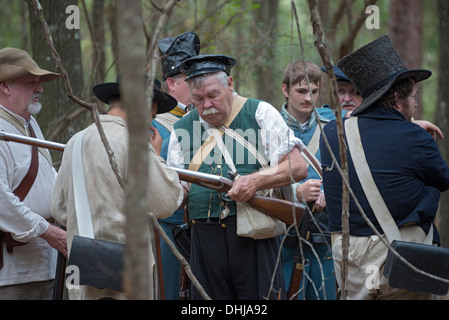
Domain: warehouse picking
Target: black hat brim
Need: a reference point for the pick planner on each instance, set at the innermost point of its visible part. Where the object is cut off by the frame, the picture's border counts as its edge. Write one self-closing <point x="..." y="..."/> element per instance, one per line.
<point x="203" y="64"/>
<point x="105" y="91"/>
<point x="375" y="96"/>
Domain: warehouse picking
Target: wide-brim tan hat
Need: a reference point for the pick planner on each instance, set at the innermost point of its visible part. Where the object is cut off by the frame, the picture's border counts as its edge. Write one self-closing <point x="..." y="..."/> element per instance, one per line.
<point x="16" y="63"/>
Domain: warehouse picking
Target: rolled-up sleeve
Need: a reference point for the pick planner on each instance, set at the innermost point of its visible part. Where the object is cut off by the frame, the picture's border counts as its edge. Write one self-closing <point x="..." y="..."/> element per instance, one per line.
<point x="277" y="138"/>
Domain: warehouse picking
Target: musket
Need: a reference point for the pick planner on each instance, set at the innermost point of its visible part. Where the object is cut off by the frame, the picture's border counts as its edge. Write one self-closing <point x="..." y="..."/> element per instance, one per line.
<point x="31" y="141"/>
<point x="283" y="210"/>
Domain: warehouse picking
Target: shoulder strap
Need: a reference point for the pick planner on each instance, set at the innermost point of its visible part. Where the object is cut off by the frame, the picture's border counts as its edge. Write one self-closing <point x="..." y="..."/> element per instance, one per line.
<point x="245" y="143"/>
<point x="311" y="149"/>
<point x="25" y="186"/>
<point x="166" y="120"/>
<point x="211" y="141"/>
<point x="82" y="207"/>
<point x="314" y="143"/>
<point x="372" y="193"/>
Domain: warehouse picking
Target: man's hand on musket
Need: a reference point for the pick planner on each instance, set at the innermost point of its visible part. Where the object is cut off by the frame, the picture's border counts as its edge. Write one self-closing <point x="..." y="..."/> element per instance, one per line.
<point x="244" y="188"/>
<point x="57" y="238"/>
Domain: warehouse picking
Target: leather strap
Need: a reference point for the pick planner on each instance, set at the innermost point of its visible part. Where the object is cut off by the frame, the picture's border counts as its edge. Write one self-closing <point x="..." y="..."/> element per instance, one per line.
<point x="24" y="187"/>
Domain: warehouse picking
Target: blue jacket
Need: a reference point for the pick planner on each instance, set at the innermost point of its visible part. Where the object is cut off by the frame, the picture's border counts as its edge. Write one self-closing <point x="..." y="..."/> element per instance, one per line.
<point x="406" y="165"/>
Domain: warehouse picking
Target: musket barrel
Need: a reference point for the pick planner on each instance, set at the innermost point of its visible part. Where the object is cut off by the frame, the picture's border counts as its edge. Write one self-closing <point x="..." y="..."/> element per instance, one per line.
<point x="31" y="141"/>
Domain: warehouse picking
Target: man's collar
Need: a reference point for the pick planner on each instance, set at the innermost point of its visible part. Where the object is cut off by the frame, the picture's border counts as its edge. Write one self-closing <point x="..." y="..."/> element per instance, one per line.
<point x="18" y="118"/>
<point x="293" y="123"/>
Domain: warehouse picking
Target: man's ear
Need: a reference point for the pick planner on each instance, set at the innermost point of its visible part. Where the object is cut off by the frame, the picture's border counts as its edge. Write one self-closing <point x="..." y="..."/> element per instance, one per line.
<point x="170" y="82"/>
<point x="285" y="90"/>
<point x="4" y="87"/>
<point x="231" y="83"/>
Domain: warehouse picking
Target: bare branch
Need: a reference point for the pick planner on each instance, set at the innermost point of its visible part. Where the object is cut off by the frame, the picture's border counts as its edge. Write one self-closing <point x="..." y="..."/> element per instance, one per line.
<point x="178" y="256"/>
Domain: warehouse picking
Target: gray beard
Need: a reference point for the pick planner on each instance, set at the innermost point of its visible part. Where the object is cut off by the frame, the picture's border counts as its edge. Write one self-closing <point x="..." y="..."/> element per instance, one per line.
<point x="34" y="108"/>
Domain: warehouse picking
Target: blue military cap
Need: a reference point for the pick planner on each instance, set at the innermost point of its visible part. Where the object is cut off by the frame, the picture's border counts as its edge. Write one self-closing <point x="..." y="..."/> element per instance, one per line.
<point x="338" y="73"/>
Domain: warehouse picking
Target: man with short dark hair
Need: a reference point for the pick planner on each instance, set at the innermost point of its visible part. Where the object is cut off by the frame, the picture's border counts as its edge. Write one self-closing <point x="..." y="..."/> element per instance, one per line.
<point x="404" y="161"/>
<point x="106" y="197"/>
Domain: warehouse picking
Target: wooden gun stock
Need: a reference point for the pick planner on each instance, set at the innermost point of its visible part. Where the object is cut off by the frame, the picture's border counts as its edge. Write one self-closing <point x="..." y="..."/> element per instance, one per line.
<point x="288" y="212"/>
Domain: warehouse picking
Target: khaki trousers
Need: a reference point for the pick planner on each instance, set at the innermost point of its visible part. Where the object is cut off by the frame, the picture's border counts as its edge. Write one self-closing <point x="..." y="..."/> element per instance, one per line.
<point x="40" y="290"/>
<point x="366" y="262"/>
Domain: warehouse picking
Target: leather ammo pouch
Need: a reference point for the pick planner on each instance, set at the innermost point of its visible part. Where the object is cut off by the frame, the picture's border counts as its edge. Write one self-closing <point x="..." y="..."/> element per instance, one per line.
<point x="100" y="263"/>
<point x="424" y="256"/>
<point x="428" y="258"/>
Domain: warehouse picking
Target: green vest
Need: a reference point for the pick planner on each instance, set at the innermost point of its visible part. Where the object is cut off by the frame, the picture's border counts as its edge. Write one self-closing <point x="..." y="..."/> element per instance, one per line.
<point x="204" y="202"/>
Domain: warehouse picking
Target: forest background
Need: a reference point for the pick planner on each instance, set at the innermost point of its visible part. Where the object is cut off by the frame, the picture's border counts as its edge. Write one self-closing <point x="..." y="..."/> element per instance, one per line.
<point x="261" y="34"/>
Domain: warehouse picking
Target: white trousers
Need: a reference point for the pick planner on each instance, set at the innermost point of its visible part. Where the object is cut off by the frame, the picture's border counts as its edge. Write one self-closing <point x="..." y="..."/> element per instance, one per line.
<point x="366" y="262"/>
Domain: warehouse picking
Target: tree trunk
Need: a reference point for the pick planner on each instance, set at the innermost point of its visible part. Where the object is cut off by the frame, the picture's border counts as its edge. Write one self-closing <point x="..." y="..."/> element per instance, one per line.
<point x="406" y="30"/>
<point x="442" y="112"/>
<point x="99" y="42"/>
<point x="138" y="282"/>
<point x="265" y="31"/>
<point x="55" y="103"/>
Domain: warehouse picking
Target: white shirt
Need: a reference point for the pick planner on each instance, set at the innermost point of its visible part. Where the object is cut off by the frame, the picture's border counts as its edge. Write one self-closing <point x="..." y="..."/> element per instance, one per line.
<point x="26" y="221"/>
<point x="106" y="196"/>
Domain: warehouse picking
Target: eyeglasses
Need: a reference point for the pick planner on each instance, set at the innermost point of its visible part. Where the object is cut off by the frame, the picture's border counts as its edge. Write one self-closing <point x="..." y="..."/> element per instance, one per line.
<point x="417" y="100"/>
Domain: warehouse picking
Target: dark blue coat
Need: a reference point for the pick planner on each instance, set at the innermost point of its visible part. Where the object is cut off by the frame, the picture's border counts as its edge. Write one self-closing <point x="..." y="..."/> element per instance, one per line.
<point x="407" y="168"/>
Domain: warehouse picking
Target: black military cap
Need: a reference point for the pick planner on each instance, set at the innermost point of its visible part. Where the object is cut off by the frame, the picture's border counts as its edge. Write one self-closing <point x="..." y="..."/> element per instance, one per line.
<point x="174" y="50"/>
<point x="207" y="63"/>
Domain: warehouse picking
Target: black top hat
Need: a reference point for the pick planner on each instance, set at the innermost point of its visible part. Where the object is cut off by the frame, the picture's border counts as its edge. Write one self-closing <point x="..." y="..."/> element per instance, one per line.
<point x="374" y="68"/>
<point x="105" y="91"/>
<point x="207" y="63"/>
<point x="175" y="50"/>
<point x="338" y="74"/>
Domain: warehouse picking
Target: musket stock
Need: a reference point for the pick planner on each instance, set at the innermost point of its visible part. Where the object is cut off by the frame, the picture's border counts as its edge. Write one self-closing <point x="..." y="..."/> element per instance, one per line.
<point x="285" y="211"/>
